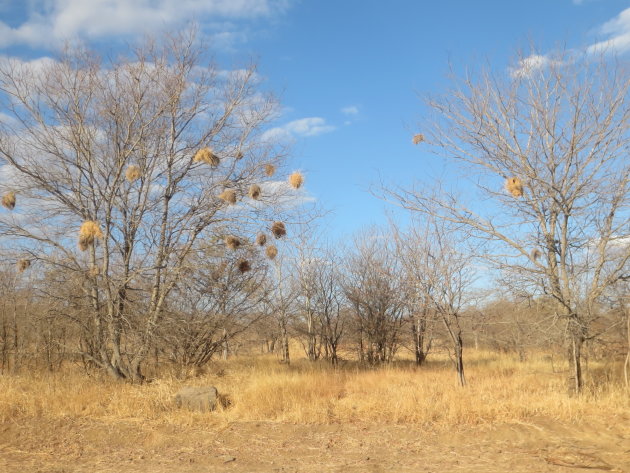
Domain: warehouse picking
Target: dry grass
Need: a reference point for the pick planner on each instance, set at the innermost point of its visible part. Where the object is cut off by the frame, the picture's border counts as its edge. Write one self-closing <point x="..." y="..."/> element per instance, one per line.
<point x="244" y="266"/>
<point x="260" y="389"/>
<point x="514" y="186"/>
<point x="261" y="239"/>
<point x="255" y="191"/>
<point x="8" y="200"/>
<point x="296" y="180"/>
<point x="88" y="232"/>
<point x="270" y="170"/>
<point x="133" y="173"/>
<point x="271" y="251"/>
<point x="278" y="229"/>
<point x="206" y="155"/>
<point x="232" y="242"/>
<point x="229" y="196"/>
<point x="22" y="265"/>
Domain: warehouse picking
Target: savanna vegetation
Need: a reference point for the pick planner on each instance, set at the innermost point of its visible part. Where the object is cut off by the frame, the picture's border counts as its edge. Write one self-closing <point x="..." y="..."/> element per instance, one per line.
<point x="152" y="236"/>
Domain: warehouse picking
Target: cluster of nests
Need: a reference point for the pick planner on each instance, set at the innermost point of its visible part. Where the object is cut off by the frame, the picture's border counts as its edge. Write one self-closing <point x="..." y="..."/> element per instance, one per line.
<point x="278" y="230"/>
<point x="90" y="230"/>
<point x="230" y="196"/>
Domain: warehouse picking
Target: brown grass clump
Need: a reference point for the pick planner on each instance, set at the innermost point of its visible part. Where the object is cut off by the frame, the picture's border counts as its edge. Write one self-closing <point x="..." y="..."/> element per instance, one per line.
<point x="536" y="253"/>
<point x="8" y="200"/>
<point x="207" y="156"/>
<point x="232" y="242"/>
<point x="87" y="233"/>
<point x="133" y="173"/>
<point x="272" y="252"/>
<point x="244" y="266"/>
<point x="22" y="265"/>
<point x="514" y="186"/>
<point x="296" y="180"/>
<point x="270" y="169"/>
<point x="417" y="139"/>
<point x="278" y="229"/>
<point x="261" y="239"/>
<point x="229" y="196"/>
<point x="255" y="191"/>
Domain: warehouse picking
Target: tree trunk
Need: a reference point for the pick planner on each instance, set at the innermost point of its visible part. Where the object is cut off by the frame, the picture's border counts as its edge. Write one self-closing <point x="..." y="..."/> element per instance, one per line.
<point x="226" y="347"/>
<point x="361" y="348"/>
<point x="577" y="363"/>
<point x="626" y="365"/>
<point x="419" y="332"/>
<point x="334" y="360"/>
<point x="576" y="382"/>
<point x="455" y="332"/>
<point x="284" y="341"/>
<point x="459" y="360"/>
<point x="312" y="355"/>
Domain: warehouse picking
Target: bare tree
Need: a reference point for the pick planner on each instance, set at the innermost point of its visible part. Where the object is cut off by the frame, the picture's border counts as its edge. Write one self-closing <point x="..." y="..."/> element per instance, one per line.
<point x="414" y="255"/>
<point x="143" y="148"/>
<point x="556" y="135"/>
<point x="375" y="289"/>
<point x="514" y="324"/>
<point x="329" y="304"/>
<point x="210" y="309"/>
<point x="618" y="297"/>
<point x="280" y="302"/>
<point x="305" y="269"/>
<point x="444" y="278"/>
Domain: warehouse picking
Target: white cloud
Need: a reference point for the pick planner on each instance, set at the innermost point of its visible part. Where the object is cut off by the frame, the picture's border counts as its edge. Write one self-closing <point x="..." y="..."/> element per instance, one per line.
<point x="304" y="127"/>
<point x="350" y="110"/>
<point x="50" y="22"/>
<point x="308" y="126"/>
<point x="531" y="64"/>
<point x="285" y="196"/>
<point x="617" y="34"/>
<point x="8" y="120"/>
<point x="582" y="2"/>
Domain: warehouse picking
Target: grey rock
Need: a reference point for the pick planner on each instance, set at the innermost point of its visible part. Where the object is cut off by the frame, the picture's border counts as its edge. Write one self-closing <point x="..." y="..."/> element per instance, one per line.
<point x="201" y="399"/>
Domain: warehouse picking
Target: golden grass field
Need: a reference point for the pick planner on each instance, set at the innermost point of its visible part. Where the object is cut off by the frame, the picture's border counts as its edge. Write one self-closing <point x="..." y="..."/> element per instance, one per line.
<point x="313" y="397"/>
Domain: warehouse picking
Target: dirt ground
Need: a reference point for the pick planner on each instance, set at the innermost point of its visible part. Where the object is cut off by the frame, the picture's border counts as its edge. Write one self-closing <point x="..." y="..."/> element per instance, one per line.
<point x="71" y="445"/>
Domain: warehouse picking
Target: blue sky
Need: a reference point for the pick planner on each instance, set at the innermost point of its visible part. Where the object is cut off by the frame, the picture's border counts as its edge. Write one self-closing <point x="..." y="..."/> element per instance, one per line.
<point x="350" y="73"/>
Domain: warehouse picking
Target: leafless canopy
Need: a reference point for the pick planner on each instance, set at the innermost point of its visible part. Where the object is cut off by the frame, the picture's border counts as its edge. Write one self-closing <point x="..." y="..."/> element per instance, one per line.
<point x="562" y="129"/>
<point x="80" y="130"/>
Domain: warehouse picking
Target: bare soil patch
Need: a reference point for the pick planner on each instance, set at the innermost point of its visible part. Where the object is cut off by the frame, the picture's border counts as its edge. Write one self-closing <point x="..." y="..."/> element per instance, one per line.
<point x="83" y="445"/>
